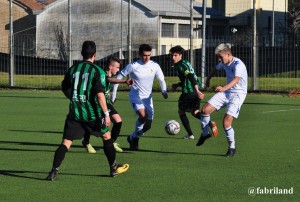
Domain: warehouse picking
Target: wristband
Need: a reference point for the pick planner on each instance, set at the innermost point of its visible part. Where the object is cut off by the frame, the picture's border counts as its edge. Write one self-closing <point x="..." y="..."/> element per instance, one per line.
<point x="106" y="113"/>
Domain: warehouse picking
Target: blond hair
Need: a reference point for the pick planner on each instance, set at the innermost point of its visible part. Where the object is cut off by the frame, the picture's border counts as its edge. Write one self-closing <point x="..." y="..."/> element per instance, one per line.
<point x="223" y="48"/>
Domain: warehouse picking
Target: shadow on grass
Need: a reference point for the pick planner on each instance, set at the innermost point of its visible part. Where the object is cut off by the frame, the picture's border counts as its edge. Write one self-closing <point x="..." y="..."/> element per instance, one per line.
<point x="37" y="131"/>
<point x="170" y="152"/>
<point x="40" y="144"/>
<point x="39" y="97"/>
<point x="24" y="174"/>
<point x="126" y="150"/>
<point x="270" y="104"/>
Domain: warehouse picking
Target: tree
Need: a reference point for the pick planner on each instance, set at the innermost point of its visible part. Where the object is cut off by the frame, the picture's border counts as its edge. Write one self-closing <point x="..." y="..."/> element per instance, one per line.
<point x="294" y="17"/>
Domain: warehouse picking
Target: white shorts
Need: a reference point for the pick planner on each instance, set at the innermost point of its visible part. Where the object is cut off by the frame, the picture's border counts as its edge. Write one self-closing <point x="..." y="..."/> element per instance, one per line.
<point x="143" y="103"/>
<point x="232" y="100"/>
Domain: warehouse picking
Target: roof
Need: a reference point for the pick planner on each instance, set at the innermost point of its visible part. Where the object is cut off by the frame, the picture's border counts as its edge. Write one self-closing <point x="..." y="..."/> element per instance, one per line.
<point x="171" y="8"/>
<point x="33" y="4"/>
<point x="175" y="8"/>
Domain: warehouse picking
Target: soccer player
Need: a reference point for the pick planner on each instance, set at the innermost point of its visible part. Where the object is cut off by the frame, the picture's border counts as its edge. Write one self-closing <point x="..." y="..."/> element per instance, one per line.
<point x="232" y="95"/>
<point x="189" y="100"/>
<point x="142" y="72"/>
<point x="112" y="68"/>
<point x="84" y="84"/>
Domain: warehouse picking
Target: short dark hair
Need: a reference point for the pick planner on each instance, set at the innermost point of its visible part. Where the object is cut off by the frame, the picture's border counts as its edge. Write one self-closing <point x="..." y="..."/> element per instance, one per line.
<point x="177" y="49"/>
<point x="88" y="49"/>
<point x="144" y="47"/>
<point x="110" y="60"/>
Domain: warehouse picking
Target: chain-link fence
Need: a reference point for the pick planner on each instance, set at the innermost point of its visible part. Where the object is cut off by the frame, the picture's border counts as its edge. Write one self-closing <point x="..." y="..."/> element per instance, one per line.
<point x="47" y="40"/>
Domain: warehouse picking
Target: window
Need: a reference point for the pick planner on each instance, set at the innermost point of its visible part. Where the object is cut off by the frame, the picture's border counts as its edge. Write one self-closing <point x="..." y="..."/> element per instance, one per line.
<point x="219" y="5"/>
<point x="167" y="30"/>
<point x="183" y="31"/>
<point x="163" y="49"/>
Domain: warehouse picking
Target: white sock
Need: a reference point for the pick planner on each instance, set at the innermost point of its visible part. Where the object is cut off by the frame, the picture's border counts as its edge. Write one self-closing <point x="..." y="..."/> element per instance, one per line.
<point x="138" y="129"/>
<point x="138" y="126"/>
<point x="230" y="137"/>
<point x="205" y="119"/>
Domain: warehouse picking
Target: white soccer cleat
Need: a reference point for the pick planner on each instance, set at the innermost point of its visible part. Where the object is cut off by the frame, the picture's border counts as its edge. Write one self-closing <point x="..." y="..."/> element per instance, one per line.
<point x="189" y="137"/>
<point x="90" y="149"/>
<point x="117" y="147"/>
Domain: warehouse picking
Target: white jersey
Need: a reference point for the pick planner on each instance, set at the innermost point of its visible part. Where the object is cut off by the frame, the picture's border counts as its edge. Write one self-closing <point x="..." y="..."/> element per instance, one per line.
<point x="235" y="68"/>
<point x="143" y="76"/>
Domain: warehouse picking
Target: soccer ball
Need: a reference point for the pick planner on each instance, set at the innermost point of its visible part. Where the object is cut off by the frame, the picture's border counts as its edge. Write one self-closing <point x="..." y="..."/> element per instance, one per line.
<point x="172" y="127"/>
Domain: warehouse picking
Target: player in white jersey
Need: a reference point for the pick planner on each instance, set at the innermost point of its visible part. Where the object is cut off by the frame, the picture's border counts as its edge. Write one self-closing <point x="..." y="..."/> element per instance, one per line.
<point x="231" y="95"/>
<point x="142" y="72"/>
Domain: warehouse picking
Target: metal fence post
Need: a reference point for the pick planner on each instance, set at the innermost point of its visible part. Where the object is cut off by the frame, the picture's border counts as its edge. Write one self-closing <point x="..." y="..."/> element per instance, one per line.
<point x="129" y="32"/>
<point x="12" y="55"/>
<point x="191" y="34"/>
<point x="203" y="43"/>
<point x="70" y="31"/>
<point x="255" y="55"/>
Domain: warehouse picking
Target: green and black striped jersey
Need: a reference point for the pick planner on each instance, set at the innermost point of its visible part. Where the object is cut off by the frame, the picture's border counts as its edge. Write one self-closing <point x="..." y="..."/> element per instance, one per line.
<point x="84" y="81"/>
<point x="183" y="69"/>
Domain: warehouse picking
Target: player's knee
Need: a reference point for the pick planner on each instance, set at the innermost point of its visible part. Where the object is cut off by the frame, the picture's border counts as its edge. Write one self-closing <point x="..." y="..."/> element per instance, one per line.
<point x="106" y="136"/>
<point x="206" y="110"/>
<point x="226" y="124"/>
<point x="67" y="143"/>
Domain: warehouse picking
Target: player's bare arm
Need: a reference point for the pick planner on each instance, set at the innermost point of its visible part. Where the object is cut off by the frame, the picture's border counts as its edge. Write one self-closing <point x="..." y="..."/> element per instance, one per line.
<point x="199" y="93"/>
<point x="229" y="85"/>
<point x="116" y="80"/>
<point x="102" y="103"/>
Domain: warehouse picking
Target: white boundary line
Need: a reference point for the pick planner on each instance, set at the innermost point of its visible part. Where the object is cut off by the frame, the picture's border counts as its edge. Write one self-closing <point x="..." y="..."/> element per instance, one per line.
<point x="286" y="110"/>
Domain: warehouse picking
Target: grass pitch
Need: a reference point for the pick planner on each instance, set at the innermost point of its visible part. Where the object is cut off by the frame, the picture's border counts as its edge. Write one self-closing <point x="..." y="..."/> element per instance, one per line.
<point x="167" y="168"/>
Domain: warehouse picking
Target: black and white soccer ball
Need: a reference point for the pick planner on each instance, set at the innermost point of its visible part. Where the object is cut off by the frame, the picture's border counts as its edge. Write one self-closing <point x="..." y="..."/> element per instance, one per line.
<point x="172" y="127"/>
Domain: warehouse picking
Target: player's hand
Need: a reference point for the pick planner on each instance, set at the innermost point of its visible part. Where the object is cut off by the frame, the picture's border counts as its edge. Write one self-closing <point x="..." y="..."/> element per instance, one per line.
<point x="174" y="87"/>
<point x="219" y="89"/>
<point x="200" y="95"/>
<point x="129" y="82"/>
<point x="165" y="94"/>
<point x="107" y="121"/>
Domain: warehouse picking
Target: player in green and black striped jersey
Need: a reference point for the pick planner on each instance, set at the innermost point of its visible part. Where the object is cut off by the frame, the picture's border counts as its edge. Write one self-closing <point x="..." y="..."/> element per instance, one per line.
<point x="84" y="84"/>
<point x="189" y="100"/>
<point x="112" y="67"/>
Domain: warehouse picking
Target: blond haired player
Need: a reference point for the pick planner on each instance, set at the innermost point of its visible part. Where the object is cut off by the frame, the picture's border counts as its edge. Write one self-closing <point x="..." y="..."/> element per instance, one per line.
<point x="231" y="95"/>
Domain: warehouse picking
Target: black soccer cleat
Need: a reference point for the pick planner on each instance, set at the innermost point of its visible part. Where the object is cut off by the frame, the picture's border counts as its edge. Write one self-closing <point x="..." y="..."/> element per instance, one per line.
<point x="52" y="174"/>
<point x="202" y="139"/>
<point x="230" y="152"/>
<point x="133" y="143"/>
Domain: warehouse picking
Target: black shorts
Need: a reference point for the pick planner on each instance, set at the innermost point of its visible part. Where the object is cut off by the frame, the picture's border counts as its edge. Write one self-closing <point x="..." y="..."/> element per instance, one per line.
<point x="188" y="102"/>
<point x="75" y="130"/>
<point x="111" y="109"/>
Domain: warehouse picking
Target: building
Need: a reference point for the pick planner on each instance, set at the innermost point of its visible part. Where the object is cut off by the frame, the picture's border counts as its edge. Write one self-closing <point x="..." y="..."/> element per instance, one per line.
<point x="41" y="26"/>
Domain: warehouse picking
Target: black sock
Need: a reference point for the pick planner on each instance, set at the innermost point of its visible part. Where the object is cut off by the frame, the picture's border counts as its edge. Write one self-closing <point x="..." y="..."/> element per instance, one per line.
<point x="197" y="115"/>
<point x="115" y="131"/>
<point x="86" y="138"/>
<point x="186" y="124"/>
<point x="109" y="151"/>
<point x="59" y="156"/>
